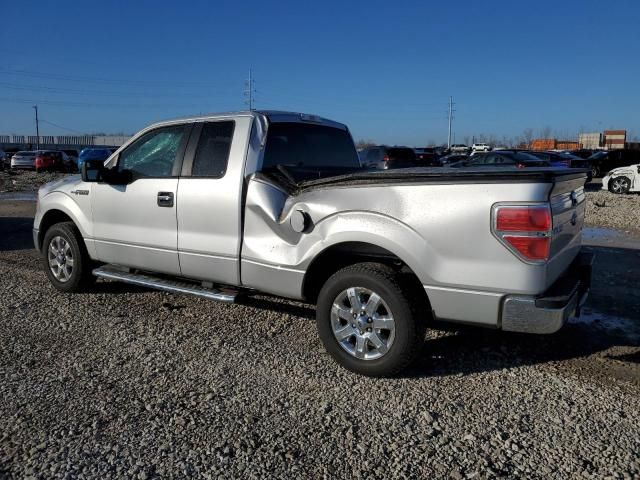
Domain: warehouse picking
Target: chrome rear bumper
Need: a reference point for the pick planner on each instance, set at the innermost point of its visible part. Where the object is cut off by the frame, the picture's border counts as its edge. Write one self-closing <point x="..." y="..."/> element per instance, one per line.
<point x="548" y="312"/>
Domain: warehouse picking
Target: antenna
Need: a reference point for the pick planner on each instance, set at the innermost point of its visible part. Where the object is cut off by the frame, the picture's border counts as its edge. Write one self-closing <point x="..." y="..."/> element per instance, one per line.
<point x="250" y="91"/>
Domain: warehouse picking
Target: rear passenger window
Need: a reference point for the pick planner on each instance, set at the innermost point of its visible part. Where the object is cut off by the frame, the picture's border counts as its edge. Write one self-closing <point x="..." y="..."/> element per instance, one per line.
<point x="212" y="153"/>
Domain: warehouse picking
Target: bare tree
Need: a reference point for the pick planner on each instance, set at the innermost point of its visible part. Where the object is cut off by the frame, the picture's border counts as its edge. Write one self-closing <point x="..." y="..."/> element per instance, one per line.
<point x="362" y="143"/>
<point x="545" y="132"/>
<point x="527" y="136"/>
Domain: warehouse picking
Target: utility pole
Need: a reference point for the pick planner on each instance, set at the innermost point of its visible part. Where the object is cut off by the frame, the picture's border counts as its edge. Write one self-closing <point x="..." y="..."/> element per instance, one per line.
<point x="37" y="128"/>
<point x="250" y="90"/>
<point x="450" y="118"/>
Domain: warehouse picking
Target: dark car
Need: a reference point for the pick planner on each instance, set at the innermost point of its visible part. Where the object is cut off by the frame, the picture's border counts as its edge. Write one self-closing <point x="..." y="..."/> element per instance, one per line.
<point x="383" y="157"/>
<point x="447" y="160"/>
<point x="427" y="157"/>
<point x="502" y="158"/>
<point x="93" y="154"/>
<point x="562" y="159"/>
<point x="583" y="152"/>
<point x="604" y="161"/>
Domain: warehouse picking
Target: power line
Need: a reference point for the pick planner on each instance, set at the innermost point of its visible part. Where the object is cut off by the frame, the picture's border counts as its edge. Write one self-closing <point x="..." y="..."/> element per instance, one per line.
<point x="41" y="88"/>
<point x="60" y="126"/>
<point x="79" y="78"/>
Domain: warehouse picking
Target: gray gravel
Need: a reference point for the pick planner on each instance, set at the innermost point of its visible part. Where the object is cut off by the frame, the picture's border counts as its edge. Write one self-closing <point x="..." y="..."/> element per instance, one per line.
<point x="608" y="210"/>
<point x="132" y="383"/>
<point x="25" y="180"/>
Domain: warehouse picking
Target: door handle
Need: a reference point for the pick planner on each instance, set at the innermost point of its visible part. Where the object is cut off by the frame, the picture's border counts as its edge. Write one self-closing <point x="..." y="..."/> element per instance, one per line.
<point x="165" y="199"/>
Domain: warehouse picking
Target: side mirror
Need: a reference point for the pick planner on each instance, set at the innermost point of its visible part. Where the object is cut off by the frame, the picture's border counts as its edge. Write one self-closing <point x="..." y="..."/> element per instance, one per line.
<point x="92" y="170"/>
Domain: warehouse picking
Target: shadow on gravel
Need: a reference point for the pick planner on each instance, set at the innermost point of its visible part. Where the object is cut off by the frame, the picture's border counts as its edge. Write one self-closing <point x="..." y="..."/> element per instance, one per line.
<point x="471" y="350"/>
<point x="282" y="306"/>
<point x="16" y="233"/>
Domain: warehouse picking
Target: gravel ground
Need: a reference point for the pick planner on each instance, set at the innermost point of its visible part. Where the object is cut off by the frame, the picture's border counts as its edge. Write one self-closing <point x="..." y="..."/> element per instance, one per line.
<point x="608" y="210"/>
<point x="130" y="383"/>
<point x="25" y="180"/>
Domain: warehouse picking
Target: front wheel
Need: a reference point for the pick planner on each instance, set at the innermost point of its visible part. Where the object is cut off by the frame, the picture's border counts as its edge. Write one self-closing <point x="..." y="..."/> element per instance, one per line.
<point x="366" y="321"/>
<point x="595" y="171"/>
<point x="65" y="258"/>
<point x="619" y="185"/>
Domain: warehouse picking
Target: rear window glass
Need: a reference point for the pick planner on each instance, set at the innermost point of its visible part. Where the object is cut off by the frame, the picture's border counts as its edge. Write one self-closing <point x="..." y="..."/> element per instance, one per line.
<point x="306" y="145"/>
<point x="212" y="153"/>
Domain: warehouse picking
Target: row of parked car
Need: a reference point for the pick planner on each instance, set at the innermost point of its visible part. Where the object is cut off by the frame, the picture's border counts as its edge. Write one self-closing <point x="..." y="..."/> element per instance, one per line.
<point x="601" y="162"/>
<point x="51" y="160"/>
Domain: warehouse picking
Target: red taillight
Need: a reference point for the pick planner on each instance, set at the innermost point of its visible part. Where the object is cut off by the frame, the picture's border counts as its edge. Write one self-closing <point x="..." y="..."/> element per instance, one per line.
<point x="385" y="158"/>
<point x="532" y="248"/>
<point x="525" y="230"/>
<point x="523" y="219"/>
<point x="520" y="165"/>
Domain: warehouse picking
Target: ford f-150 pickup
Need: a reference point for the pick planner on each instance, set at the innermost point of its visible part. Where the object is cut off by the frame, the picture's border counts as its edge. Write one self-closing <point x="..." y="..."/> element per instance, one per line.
<point x="274" y="202"/>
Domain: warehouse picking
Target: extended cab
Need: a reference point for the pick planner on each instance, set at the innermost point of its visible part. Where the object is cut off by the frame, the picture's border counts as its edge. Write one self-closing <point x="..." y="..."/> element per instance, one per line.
<point x="231" y="204"/>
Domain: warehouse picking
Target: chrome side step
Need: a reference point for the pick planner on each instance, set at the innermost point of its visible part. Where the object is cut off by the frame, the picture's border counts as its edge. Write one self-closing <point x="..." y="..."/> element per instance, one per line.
<point x="112" y="272"/>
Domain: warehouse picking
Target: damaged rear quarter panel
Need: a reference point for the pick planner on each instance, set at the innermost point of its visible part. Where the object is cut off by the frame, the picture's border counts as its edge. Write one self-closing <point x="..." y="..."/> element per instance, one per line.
<point x="441" y="231"/>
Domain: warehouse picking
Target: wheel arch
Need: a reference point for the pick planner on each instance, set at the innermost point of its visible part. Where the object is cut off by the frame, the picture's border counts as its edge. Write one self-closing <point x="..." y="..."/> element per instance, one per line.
<point x="343" y="254"/>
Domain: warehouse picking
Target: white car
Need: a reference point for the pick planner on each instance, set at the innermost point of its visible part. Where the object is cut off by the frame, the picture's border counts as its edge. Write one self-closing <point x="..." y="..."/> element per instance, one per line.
<point x="622" y="179"/>
<point x="480" y="147"/>
<point x="459" y="148"/>
<point x="24" y="159"/>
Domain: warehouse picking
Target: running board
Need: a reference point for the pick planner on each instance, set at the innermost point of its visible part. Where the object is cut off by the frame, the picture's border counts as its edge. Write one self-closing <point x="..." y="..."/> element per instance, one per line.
<point x="111" y="272"/>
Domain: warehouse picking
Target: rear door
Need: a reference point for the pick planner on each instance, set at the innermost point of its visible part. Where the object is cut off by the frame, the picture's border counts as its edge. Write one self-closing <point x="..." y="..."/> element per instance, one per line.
<point x="210" y="200"/>
<point x="135" y="225"/>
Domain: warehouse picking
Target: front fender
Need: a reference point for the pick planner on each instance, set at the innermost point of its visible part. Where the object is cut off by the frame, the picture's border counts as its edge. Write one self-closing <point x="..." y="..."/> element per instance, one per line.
<point x="78" y="210"/>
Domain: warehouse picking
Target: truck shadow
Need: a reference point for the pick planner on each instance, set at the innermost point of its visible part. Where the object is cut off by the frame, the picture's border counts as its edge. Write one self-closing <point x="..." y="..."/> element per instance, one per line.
<point x="468" y="350"/>
<point x="16" y="233"/>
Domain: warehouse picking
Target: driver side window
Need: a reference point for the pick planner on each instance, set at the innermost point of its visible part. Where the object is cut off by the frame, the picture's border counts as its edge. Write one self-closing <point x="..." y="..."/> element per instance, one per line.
<point x="153" y="154"/>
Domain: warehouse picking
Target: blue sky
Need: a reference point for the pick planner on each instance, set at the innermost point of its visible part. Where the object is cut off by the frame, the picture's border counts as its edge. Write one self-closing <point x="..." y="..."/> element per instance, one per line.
<point x="384" y="68"/>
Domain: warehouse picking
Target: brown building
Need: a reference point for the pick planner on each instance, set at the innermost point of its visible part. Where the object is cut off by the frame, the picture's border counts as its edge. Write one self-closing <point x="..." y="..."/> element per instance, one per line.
<point x="614" y="139"/>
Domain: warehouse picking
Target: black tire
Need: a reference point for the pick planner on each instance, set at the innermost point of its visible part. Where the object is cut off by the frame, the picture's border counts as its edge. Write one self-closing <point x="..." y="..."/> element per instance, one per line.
<point x="79" y="277"/>
<point x="595" y="171"/>
<point x="395" y="291"/>
<point x="619" y="185"/>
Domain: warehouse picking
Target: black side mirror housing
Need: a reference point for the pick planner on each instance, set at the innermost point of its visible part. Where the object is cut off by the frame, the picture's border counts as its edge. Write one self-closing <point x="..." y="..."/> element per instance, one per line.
<point x="92" y="170"/>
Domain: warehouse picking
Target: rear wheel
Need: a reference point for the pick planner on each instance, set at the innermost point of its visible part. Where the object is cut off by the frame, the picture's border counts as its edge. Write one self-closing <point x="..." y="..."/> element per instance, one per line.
<point x="65" y="258"/>
<point x="595" y="171"/>
<point x="366" y="321"/>
<point x="619" y="185"/>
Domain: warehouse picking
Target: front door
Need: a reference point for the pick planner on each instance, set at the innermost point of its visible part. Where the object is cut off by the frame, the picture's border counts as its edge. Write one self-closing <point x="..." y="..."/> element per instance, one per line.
<point x="135" y="225"/>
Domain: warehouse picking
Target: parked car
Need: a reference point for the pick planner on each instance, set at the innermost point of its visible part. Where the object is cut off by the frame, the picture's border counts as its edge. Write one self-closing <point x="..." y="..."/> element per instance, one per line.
<point x="452" y="158"/>
<point x="216" y="207"/>
<point x="502" y="158"/>
<point x="53" y="161"/>
<point x="561" y="159"/>
<point x="606" y="160"/>
<point x="622" y="179"/>
<point x="480" y="147"/>
<point x="383" y="157"/>
<point x="2" y="157"/>
<point x="427" y="157"/>
<point x="583" y="152"/>
<point x="93" y="154"/>
<point x="459" y="148"/>
<point x="23" y="159"/>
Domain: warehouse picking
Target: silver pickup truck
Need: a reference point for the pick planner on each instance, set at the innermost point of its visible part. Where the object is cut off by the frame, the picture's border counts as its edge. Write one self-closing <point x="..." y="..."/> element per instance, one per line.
<point x="274" y="202"/>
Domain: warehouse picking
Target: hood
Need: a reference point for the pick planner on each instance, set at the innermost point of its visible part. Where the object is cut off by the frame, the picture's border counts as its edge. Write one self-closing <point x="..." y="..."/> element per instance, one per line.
<point x="631" y="169"/>
<point x="64" y="185"/>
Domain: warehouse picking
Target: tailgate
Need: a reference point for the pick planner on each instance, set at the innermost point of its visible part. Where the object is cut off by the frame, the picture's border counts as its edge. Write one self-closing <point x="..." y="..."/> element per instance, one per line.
<point x="568" y="206"/>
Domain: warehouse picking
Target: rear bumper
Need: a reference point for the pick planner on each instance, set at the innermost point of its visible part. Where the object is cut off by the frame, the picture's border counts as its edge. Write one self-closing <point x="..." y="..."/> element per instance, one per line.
<point x="547" y="313"/>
